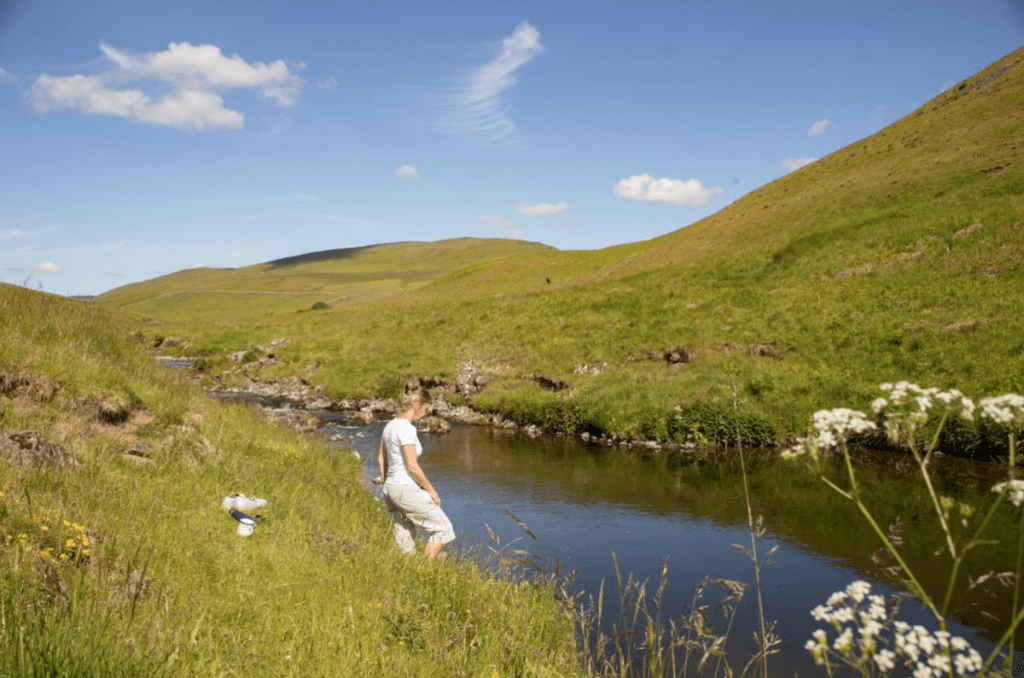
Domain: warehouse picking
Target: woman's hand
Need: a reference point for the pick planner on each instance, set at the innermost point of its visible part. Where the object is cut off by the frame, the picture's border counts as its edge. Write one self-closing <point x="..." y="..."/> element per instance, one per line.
<point x="435" y="497"/>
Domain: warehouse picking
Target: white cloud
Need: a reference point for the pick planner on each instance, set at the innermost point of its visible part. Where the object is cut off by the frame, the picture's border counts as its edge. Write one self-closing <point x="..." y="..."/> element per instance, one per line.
<point x="11" y="234"/>
<point x="478" y="104"/>
<point x="327" y="83"/>
<point x="506" y="227"/>
<point x="541" y="209"/>
<point x="407" y="172"/>
<point x="790" y="164"/>
<point x="195" y="73"/>
<point x="819" y="128"/>
<point x="48" y="267"/>
<point x="645" y="188"/>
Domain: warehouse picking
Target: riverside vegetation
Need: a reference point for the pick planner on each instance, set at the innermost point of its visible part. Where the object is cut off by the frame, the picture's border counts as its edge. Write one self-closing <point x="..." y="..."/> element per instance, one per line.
<point x="898" y="257"/>
<point x="124" y="565"/>
<point x="121" y="562"/>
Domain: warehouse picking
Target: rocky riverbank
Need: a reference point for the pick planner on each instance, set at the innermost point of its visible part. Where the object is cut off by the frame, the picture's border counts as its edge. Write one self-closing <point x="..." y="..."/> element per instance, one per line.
<point x="291" y="400"/>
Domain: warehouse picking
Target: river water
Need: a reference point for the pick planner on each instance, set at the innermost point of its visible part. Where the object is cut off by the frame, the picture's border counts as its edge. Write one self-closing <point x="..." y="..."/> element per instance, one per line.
<point x="585" y="503"/>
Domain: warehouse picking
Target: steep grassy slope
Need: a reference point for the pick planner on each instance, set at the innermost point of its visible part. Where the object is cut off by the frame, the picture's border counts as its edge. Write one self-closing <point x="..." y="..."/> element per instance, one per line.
<point x="125" y="564"/>
<point x="898" y="257"/>
<point x="296" y="283"/>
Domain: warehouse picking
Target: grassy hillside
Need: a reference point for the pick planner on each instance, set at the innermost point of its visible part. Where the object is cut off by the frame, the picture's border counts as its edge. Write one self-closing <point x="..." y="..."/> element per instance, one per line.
<point x="898" y="257"/>
<point x="296" y="283"/>
<point x="125" y="564"/>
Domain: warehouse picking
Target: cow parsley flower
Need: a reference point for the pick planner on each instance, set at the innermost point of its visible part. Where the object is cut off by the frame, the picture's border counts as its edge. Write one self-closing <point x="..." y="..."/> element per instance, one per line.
<point x="833" y="428"/>
<point x="909" y="406"/>
<point x="1016" y="490"/>
<point x="1004" y="409"/>
<point x="866" y="636"/>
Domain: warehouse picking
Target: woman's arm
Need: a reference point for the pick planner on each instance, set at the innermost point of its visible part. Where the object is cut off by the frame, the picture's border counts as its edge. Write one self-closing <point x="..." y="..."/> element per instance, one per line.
<point x="412" y="465"/>
<point x="382" y="462"/>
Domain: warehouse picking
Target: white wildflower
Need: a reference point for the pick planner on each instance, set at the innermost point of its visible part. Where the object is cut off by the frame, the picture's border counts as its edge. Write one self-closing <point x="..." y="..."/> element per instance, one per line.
<point x="885" y="642"/>
<point x="843" y="615"/>
<point x="1004" y="409"/>
<point x="968" y="663"/>
<point x="870" y="629"/>
<point x="844" y="643"/>
<point x="939" y="663"/>
<point x="841" y="423"/>
<point x="878" y="404"/>
<point x="858" y="590"/>
<point x="886" y="660"/>
<point x="1016" y="490"/>
<point x="822" y="613"/>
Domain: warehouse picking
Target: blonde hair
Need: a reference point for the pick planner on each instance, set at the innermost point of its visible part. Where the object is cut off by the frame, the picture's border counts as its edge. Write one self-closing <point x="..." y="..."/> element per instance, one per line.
<point x="416" y="396"/>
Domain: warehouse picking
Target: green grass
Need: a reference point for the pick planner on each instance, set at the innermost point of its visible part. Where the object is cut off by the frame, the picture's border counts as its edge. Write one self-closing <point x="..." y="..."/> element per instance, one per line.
<point x="898" y="257"/>
<point x="296" y="283"/>
<point x="318" y="590"/>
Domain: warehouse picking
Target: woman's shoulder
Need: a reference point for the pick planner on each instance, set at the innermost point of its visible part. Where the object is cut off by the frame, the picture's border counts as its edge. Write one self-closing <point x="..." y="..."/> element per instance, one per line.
<point x="396" y="425"/>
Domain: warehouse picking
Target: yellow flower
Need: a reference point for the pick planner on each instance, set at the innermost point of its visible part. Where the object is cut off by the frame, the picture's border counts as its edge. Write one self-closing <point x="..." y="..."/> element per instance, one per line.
<point x="67" y="524"/>
<point x="70" y="543"/>
<point x="86" y="552"/>
<point x="44" y="528"/>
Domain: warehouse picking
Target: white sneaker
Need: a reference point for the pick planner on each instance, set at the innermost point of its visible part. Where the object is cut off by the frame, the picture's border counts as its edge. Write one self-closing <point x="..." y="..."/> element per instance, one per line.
<point x="242" y="502"/>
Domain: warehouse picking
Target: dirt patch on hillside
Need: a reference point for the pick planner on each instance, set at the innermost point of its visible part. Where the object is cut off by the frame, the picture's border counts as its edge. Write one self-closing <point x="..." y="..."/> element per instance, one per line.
<point x="968" y="325"/>
<point x="28" y="385"/>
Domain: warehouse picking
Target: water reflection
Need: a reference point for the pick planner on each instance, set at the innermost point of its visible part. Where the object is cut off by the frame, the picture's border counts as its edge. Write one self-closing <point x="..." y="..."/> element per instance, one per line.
<point x="584" y="503"/>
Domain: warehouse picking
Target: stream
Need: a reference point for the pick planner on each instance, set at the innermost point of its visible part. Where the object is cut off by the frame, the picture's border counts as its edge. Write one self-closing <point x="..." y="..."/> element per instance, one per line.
<point x="584" y="503"/>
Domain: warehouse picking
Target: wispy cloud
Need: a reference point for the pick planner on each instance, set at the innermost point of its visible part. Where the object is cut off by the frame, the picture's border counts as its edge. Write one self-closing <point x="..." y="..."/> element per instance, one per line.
<point x="506" y="227"/>
<point x="328" y="83"/>
<point x="196" y="74"/>
<point x="791" y="164"/>
<point x="275" y="127"/>
<point x="645" y="188"/>
<point x="819" y="128"/>
<point x="21" y="234"/>
<point x="48" y="267"/>
<point x="477" y="104"/>
<point x="407" y="172"/>
<point x="541" y="209"/>
<point x="337" y="218"/>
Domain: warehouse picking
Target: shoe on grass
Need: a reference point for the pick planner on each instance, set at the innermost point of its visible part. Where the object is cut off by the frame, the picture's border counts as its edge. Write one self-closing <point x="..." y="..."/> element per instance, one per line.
<point x="242" y="502"/>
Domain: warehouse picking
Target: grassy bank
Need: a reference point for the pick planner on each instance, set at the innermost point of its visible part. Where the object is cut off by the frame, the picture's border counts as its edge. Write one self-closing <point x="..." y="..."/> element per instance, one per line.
<point x="898" y="257"/>
<point x="125" y="564"/>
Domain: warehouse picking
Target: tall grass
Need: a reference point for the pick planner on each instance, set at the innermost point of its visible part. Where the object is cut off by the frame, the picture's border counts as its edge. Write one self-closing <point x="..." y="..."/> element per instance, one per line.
<point x="126" y="565"/>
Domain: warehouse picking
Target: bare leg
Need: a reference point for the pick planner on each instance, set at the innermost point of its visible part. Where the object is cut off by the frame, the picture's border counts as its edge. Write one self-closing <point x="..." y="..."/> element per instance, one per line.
<point x="431" y="551"/>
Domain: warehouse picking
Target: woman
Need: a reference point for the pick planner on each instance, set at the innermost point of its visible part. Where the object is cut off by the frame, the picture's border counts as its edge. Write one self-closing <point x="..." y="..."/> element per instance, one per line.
<point x="408" y="494"/>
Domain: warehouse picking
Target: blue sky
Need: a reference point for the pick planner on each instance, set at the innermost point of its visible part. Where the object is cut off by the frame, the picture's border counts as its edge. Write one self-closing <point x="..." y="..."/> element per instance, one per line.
<point x="142" y="137"/>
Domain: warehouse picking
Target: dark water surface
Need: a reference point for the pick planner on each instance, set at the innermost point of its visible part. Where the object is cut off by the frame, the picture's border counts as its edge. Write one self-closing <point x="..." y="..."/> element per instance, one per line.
<point x="585" y="502"/>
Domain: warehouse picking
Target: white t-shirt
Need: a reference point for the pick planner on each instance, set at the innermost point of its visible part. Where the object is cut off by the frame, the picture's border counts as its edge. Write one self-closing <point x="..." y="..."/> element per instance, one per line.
<point x="397" y="433"/>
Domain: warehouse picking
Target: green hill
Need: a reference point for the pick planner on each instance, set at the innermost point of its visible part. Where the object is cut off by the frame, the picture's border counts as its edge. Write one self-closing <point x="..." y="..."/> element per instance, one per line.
<point x="898" y="257"/>
<point x="296" y="283"/>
